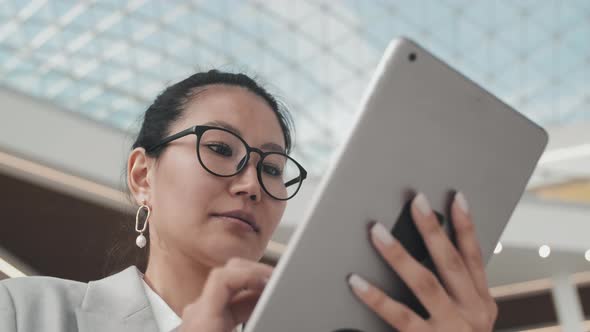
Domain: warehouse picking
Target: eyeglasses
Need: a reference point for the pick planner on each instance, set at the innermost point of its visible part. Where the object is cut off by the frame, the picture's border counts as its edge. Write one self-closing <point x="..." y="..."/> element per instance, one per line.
<point x="223" y="153"/>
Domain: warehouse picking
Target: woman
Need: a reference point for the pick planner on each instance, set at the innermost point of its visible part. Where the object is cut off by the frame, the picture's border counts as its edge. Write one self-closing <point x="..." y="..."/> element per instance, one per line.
<point x="208" y="174"/>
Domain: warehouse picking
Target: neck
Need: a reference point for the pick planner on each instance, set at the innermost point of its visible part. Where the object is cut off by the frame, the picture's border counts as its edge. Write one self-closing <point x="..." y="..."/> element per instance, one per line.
<point x="175" y="278"/>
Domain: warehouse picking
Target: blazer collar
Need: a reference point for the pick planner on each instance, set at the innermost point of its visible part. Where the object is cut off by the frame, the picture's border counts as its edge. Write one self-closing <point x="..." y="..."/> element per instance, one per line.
<point x="117" y="303"/>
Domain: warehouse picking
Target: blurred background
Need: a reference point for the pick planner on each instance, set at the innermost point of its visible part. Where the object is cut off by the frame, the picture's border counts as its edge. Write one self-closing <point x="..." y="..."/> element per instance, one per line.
<point x="75" y="77"/>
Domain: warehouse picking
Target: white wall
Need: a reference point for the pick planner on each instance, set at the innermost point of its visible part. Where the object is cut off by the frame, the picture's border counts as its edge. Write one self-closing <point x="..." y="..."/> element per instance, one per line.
<point x="64" y="140"/>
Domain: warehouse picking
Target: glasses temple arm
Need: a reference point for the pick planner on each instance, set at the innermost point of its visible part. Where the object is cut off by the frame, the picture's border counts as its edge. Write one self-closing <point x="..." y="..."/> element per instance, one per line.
<point x="295" y="180"/>
<point x="172" y="138"/>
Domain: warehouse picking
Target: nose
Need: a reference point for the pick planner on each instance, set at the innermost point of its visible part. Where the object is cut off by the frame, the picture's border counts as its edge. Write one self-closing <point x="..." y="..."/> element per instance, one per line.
<point x="245" y="183"/>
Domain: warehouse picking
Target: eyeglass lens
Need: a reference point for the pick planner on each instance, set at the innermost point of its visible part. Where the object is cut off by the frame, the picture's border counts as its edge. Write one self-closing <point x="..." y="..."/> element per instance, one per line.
<point x="224" y="154"/>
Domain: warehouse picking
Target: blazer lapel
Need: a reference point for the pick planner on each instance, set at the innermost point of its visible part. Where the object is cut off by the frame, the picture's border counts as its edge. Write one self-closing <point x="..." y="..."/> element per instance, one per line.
<point x="118" y="304"/>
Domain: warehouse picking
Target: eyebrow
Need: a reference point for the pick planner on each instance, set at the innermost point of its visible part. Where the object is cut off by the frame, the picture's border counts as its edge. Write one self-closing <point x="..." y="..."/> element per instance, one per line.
<point x="266" y="146"/>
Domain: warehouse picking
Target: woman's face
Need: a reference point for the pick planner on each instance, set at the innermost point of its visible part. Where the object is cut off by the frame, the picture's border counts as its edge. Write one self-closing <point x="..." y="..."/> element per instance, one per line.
<point x="186" y="199"/>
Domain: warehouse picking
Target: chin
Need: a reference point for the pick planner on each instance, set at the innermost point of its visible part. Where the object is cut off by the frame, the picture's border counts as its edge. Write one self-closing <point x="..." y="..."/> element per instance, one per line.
<point x="221" y="253"/>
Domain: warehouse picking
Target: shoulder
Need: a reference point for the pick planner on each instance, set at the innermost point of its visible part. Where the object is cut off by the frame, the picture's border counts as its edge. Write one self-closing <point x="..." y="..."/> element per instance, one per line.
<point x="32" y="291"/>
<point x="29" y="302"/>
<point x="35" y="283"/>
<point x="54" y="303"/>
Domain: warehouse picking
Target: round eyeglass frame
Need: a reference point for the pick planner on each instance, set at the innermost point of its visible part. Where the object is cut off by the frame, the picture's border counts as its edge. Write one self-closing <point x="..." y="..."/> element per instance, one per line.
<point x="200" y="130"/>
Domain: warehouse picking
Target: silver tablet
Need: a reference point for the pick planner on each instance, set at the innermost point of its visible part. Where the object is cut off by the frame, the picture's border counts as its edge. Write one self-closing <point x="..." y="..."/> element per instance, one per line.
<point x="421" y="127"/>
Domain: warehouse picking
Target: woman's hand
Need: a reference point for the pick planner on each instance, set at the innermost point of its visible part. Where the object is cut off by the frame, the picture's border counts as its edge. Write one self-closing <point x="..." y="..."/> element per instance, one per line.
<point x="228" y="297"/>
<point x="463" y="304"/>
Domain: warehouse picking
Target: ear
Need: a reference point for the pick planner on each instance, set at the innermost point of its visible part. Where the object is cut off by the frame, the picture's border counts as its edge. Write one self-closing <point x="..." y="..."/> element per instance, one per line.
<point x="138" y="169"/>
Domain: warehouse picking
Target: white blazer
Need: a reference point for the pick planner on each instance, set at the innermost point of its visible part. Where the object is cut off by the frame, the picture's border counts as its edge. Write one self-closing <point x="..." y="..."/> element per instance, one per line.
<point x="117" y="303"/>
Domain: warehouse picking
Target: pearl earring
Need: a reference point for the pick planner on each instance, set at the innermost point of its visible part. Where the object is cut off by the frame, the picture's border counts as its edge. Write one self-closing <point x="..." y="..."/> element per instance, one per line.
<point x="141" y="240"/>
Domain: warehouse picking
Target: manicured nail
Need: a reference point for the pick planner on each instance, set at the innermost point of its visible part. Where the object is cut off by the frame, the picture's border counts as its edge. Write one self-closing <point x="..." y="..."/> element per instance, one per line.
<point x="358" y="283"/>
<point x="421" y="202"/>
<point x="462" y="202"/>
<point x="381" y="234"/>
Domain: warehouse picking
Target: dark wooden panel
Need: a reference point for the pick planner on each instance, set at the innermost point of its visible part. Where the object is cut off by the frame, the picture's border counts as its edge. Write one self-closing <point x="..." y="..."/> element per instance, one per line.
<point x="56" y="234"/>
<point x="528" y="311"/>
<point x="584" y="293"/>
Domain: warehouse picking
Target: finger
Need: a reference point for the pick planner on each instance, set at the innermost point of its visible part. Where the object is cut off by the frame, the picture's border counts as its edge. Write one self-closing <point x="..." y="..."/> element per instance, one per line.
<point x="240" y="263"/>
<point x="224" y="283"/>
<point x="469" y="245"/>
<point x="394" y="313"/>
<point x="447" y="260"/>
<point x="419" y="279"/>
<point x="243" y="304"/>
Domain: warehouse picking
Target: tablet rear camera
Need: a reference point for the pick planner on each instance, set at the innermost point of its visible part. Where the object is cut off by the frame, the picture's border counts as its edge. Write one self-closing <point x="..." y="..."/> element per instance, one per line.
<point x="412" y="57"/>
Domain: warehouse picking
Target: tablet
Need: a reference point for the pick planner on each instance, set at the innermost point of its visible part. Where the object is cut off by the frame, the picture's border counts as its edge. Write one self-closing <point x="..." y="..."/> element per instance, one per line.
<point x="421" y="127"/>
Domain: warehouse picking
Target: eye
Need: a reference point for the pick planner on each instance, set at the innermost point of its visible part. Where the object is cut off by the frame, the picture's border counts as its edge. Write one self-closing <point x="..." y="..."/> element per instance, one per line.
<point x="272" y="170"/>
<point x="220" y="148"/>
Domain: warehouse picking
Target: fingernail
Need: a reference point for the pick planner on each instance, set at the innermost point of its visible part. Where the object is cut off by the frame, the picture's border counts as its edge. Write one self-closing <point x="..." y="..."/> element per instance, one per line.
<point x="421" y="202"/>
<point x="381" y="234"/>
<point x="358" y="283"/>
<point x="462" y="202"/>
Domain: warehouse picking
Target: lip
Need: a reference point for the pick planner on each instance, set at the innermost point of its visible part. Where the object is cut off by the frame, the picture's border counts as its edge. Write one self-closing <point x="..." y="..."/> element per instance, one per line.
<point x="242" y="215"/>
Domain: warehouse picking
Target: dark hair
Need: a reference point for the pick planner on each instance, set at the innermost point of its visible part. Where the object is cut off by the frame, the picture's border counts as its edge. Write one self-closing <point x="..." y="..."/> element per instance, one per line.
<point x="167" y="108"/>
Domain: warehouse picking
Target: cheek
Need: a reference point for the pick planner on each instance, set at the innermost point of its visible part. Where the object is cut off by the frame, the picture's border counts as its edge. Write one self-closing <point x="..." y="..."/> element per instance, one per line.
<point x="275" y="214"/>
<point x="185" y="189"/>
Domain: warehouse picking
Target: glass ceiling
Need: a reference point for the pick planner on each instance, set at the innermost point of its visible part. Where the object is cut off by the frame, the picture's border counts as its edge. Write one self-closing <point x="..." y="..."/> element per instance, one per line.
<point x="109" y="59"/>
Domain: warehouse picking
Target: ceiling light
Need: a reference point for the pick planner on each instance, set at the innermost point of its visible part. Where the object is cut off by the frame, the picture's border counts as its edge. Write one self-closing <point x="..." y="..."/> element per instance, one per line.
<point x="10" y="270"/>
<point x="573" y="152"/>
<point x="587" y="255"/>
<point x="498" y="248"/>
<point x="544" y="251"/>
